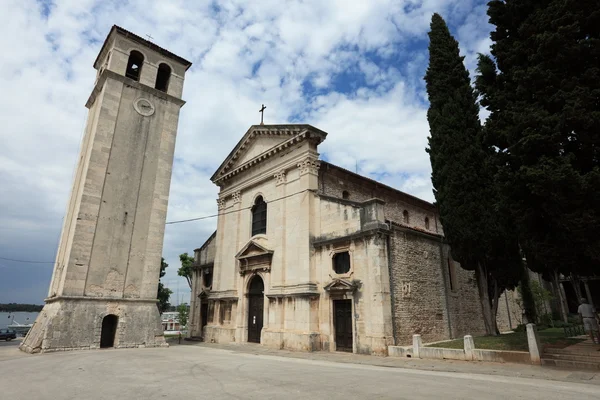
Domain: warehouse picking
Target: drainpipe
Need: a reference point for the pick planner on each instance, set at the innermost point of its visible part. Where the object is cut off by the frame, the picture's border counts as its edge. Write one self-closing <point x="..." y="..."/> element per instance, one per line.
<point x="389" y="257"/>
<point x="507" y="309"/>
<point x="445" y="288"/>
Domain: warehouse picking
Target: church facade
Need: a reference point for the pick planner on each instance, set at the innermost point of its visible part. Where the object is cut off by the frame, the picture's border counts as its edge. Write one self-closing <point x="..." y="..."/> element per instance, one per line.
<point x="309" y="256"/>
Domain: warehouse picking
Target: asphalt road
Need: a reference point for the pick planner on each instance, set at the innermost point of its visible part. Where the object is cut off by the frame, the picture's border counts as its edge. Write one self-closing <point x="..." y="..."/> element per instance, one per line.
<point x="194" y="372"/>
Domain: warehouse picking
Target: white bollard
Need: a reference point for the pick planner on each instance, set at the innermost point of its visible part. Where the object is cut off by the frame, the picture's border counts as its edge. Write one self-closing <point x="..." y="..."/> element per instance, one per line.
<point x="417" y="344"/>
<point x="469" y="347"/>
<point x="533" y="342"/>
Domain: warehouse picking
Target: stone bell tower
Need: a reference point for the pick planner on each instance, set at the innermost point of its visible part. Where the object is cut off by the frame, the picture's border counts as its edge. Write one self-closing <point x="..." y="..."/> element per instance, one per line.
<point x="104" y="285"/>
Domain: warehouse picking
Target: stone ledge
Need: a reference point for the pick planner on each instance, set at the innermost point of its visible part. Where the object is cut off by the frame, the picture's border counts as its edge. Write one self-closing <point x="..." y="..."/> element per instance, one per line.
<point x="120" y="299"/>
<point x="379" y="229"/>
<point x="302" y="289"/>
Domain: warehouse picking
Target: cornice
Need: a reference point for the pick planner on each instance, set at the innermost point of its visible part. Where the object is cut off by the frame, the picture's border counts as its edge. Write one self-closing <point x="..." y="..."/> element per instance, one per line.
<point x="296" y="132"/>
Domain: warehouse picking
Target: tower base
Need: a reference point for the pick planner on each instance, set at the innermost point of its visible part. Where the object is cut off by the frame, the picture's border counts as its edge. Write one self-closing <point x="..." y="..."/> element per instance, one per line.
<point x="79" y="323"/>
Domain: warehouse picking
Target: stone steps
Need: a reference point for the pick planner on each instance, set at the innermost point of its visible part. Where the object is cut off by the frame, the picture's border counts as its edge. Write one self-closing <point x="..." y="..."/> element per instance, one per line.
<point x="583" y="356"/>
<point x="571" y="364"/>
<point x="581" y="351"/>
<point x="572" y="357"/>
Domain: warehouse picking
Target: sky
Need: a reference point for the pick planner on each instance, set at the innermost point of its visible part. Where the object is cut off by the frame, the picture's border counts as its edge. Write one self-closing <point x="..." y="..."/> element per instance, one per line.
<point x="352" y="68"/>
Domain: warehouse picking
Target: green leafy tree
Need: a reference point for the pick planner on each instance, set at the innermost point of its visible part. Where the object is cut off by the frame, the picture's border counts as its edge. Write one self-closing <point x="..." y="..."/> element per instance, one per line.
<point x="542" y="87"/>
<point x="164" y="293"/>
<point x="186" y="270"/>
<point x="541" y="297"/>
<point x="184" y="312"/>
<point x="463" y="170"/>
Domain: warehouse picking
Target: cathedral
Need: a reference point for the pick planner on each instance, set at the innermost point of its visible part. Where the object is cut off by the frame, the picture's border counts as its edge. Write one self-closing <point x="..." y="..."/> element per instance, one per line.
<point x="309" y="256"/>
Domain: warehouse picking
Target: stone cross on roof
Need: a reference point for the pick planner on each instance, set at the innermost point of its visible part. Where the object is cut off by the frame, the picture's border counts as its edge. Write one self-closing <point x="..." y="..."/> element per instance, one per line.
<point x="262" y="113"/>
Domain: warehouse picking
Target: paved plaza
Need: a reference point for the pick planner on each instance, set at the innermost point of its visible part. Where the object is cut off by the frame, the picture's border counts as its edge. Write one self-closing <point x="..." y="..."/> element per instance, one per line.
<point x="204" y="371"/>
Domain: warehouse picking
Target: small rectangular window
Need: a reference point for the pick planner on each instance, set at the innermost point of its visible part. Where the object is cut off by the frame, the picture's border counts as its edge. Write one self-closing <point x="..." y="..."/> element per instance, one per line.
<point x="207" y="278"/>
<point x="341" y="263"/>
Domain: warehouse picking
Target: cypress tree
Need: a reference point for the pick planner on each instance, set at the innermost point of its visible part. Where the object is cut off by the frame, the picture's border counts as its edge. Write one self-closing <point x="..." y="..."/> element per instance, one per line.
<point x="543" y="90"/>
<point x="463" y="169"/>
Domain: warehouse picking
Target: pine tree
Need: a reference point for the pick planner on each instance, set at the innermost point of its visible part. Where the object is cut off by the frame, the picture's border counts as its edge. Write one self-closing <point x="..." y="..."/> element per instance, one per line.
<point x="164" y="293"/>
<point x="186" y="269"/>
<point x="543" y="90"/>
<point x="463" y="170"/>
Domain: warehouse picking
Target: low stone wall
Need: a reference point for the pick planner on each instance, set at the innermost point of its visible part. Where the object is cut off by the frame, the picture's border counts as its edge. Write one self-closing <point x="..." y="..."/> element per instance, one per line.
<point x="501" y="356"/>
<point x="469" y="352"/>
<point x="438" y="353"/>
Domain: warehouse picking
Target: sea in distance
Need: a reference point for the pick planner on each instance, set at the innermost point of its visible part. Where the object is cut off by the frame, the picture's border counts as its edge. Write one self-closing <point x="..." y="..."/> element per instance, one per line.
<point x="24" y="318"/>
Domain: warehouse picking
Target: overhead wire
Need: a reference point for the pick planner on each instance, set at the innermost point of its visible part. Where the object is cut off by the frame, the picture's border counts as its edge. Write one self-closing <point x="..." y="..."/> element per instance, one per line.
<point x="175" y="222"/>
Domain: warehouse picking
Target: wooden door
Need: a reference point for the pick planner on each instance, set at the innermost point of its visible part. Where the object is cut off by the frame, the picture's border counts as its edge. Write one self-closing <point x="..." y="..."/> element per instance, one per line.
<point x="342" y="317"/>
<point x="255" y="317"/>
<point x="255" y="308"/>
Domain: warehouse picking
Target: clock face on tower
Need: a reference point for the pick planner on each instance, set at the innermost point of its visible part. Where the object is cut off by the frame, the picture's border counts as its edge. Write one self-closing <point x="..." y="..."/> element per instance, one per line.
<point x="143" y="107"/>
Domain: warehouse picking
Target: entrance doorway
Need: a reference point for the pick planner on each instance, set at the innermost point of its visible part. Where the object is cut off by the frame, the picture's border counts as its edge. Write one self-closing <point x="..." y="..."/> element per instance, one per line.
<point x="204" y="313"/>
<point x="256" y="304"/>
<point x="109" y="330"/>
<point x="342" y="320"/>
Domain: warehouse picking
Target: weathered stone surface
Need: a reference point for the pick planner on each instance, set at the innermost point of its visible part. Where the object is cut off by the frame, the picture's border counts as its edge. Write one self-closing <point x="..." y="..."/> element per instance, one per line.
<point x="400" y="280"/>
<point x="75" y="324"/>
<point x="108" y="258"/>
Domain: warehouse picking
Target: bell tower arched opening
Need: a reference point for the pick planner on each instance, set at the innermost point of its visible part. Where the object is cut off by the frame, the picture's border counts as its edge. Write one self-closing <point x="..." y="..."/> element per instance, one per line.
<point x="162" y="77"/>
<point x="134" y="65"/>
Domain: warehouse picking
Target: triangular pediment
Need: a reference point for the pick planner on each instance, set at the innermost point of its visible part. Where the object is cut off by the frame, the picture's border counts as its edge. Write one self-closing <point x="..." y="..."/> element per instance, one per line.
<point x="340" y="285"/>
<point x="253" y="249"/>
<point x="257" y="146"/>
<point x="262" y="141"/>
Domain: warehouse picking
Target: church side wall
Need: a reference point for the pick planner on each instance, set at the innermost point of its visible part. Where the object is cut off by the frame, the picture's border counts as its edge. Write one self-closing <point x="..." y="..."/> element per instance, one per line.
<point x="425" y="302"/>
<point x="509" y="313"/>
<point x="372" y="326"/>
<point x="466" y="317"/>
<point x="335" y="182"/>
<point x="418" y="286"/>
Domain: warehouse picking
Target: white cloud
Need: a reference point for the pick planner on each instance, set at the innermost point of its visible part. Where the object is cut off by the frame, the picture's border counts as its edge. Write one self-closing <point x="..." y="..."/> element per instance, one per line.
<point x="244" y="54"/>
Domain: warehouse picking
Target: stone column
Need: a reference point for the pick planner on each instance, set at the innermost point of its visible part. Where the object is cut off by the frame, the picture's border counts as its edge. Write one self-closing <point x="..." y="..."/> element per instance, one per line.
<point x="469" y="346"/>
<point x="417" y="344"/>
<point x="533" y="342"/>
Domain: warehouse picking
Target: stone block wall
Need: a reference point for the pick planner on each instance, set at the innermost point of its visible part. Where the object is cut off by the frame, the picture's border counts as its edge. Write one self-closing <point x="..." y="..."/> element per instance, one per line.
<point x="418" y="288"/>
<point x="464" y="307"/>
<point x="77" y="325"/>
<point x="509" y="314"/>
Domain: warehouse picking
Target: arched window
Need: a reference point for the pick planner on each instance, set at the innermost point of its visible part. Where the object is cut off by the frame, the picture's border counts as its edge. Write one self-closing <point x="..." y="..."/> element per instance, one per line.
<point x="259" y="216"/>
<point x="405" y="217"/>
<point x="162" y="77"/>
<point x="134" y="65"/>
<point x="345" y="195"/>
<point x="426" y="222"/>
